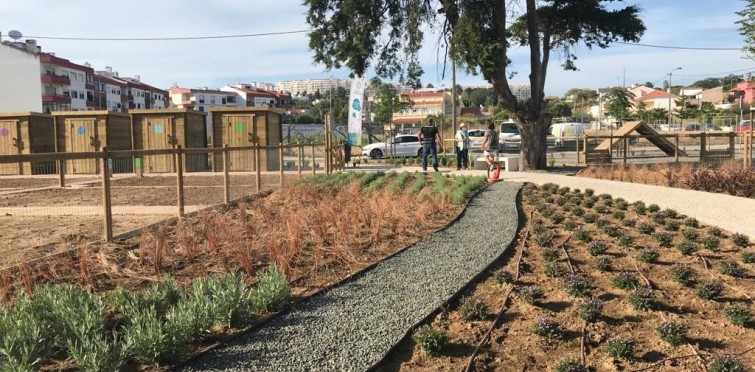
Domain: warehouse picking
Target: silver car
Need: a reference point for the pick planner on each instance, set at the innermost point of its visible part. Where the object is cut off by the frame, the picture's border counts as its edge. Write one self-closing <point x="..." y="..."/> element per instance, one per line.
<point x="401" y="145"/>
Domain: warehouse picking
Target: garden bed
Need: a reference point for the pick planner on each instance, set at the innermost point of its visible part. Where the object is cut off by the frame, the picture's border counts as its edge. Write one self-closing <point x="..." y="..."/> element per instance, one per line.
<point x="143" y="303"/>
<point x="639" y="269"/>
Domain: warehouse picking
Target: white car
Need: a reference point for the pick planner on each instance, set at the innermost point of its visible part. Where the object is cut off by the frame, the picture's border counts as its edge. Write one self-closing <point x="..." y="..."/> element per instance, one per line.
<point x="403" y="145"/>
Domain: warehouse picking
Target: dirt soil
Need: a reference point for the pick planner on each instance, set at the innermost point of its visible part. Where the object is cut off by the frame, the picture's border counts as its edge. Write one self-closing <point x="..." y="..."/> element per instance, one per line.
<point x="514" y="346"/>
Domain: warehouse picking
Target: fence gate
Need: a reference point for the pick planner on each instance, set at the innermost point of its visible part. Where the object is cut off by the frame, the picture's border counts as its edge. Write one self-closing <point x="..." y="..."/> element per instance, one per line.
<point x="159" y="134"/>
<point x="240" y="132"/>
<point x="9" y="142"/>
<point x="81" y="136"/>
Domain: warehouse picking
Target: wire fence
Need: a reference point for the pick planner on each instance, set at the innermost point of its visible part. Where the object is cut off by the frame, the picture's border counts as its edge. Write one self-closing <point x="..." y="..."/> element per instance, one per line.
<point x="52" y="201"/>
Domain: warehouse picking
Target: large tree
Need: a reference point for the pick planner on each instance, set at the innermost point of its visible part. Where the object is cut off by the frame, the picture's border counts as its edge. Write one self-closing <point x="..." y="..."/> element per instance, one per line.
<point x="619" y="101"/>
<point x="388" y="101"/>
<point x="478" y="34"/>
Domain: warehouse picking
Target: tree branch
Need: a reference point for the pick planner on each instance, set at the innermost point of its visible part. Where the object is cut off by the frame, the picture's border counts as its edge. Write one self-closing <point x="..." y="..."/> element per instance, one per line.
<point x="533" y="37"/>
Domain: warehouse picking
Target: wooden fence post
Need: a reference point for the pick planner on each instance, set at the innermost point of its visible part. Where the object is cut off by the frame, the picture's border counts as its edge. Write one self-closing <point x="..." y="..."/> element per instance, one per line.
<point x="258" y="177"/>
<point x="280" y="162"/>
<point x="625" y="144"/>
<point x="676" y="151"/>
<point x="584" y="149"/>
<point x="576" y="149"/>
<point x="106" y="197"/>
<point x="226" y="175"/>
<point x="62" y="173"/>
<point x="313" y="159"/>
<point x="702" y="147"/>
<point x="610" y="148"/>
<point x="180" y="180"/>
<point x="299" y="149"/>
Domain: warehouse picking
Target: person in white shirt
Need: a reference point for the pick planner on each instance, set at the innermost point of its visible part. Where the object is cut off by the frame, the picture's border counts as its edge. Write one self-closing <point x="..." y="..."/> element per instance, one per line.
<point x="462" y="147"/>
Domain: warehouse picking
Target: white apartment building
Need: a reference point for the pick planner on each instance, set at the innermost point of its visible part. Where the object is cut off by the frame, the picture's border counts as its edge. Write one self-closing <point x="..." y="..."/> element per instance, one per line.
<point x="310" y="86"/>
<point x="201" y="99"/>
<point x="522" y="92"/>
<point x="19" y="74"/>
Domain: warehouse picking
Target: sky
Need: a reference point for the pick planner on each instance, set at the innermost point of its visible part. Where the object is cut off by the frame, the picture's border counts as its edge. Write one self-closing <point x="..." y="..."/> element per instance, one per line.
<point x="216" y="62"/>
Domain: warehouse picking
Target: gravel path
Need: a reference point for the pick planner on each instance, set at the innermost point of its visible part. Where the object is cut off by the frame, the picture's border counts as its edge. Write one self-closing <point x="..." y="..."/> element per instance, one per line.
<point x="353" y="326"/>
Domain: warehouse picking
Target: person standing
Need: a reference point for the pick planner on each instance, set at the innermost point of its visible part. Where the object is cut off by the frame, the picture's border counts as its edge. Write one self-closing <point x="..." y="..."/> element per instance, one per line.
<point x="490" y="144"/>
<point x="462" y="147"/>
<point x="429" y="136"/>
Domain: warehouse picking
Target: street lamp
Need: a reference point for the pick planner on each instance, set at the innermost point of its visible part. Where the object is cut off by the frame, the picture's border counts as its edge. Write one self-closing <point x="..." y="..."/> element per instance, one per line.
<point x="669" y="95"/>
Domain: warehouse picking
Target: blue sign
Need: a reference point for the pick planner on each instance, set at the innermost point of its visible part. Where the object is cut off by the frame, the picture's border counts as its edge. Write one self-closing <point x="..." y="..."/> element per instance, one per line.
<point x="158" y="128"/>
<point x="357" y="105"/>
<point x="81" y="131"/>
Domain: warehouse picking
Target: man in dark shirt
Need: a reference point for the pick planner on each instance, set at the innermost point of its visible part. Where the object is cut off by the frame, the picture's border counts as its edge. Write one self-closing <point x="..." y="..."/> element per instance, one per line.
<point x="428" y="135"/>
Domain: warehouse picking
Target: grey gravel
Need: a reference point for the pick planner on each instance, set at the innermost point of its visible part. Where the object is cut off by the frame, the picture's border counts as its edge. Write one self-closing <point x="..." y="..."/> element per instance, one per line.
<point x="351" y="327"/>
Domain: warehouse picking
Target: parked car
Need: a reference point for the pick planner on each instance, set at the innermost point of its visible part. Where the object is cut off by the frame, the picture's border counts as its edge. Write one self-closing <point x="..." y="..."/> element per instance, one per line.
<point x="566" y="132"/>
<point x="742" y="128"/>
<point x="711" y="128"/>
<point x="405" y="145"/>
<point x="476" y="136"/>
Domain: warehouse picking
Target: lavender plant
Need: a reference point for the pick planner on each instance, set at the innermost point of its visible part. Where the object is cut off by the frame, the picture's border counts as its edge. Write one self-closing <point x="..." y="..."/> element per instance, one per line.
<point x="673" y="333"/>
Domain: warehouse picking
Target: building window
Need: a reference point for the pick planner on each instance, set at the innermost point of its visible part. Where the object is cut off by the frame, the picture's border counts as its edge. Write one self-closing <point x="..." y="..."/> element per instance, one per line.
<point x="201" y="98"/>
<point x="223" y="100"/>
<point x="201" y="108"/>
<point x="212" y="100"/>
<point x="82" y="95"/>
<point x="67" y="93"/>
<point x="64" y="73"/>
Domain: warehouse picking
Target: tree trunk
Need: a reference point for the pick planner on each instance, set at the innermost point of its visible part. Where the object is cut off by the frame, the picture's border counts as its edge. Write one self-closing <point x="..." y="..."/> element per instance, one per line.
<point x="532" y="153"/>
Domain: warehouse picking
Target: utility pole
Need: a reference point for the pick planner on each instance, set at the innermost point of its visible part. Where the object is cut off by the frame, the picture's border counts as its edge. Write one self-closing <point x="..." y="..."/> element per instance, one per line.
<point x="669" y="95"/>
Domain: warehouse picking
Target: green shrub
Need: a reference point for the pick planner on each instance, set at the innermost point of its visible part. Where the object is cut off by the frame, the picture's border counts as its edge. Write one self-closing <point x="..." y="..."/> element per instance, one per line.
<point x="670" y="213"/>
<point x="562" y="190"/>
<point x="582" y="235"/>
<point x="26" y="339"/>
<point x="726" y="363"/>
<point x="503" y="277"/>
<point x="715" y="231"/>
<point x="626" y="281"/>
<point x="531" y="294"/>
<point x="600" y="208"/>
<point x="152" y="341"/>
<point x="590" y="309"/>
<point x="664" y="239"/>
<point x="272" y="291"/>
<point x="612" y="231"/>
<point x="625" y="240"/>
<point x="628" y="222"/>
<point x="554" y="269"/>
<point x="576" y="284"/>
<point x="659" y="218"/>
<point x="590" y="217"/>
<point x="645" y="228"/>
<point x="690" y="234"/>
<point x="732" y="268"/>
<point x="686" y="247"/>
<point x="621" y="204"/>
<point x="560" y="201"/>
<point x="748" y="257"/>
<point x="640" y="207"/>
<point x="569" y="365"/>
<point x="652" y="208"/>
<point x="738" y="314"/>
<point x="162" y="296"/>
<point x="431" y="340"/>
<point x="597" y="247"/>
<point x="550" y="254"/>
<point x="709" y="289"/>
<point x="691" y="222"/>
<point x="589" y="192"/>
<point x="549" y="329"/>
<point x="473" y="309"/>
<point x="577" y="211"/>
<point x="570" y="225"/>
<point x="544" y="239"/>
<point x="673" y="333"/>
<point x="602" y="223"/>
<point x="672" y="225"/>
<point x="603" y="263"/>
<point x="557" y="218"/>
<point x="712" y="243"/>
<point x="643" y="299"/>
<point x="420" y="181"/>
<point x="588" y="203"/>
<point x="622" y="348"/>
<point x="682" y="274"/>
<point x="648" y="255"/>
<point x="740" y="240"/>
<point x="619" y="215"/>
<point x="605" y="197"/>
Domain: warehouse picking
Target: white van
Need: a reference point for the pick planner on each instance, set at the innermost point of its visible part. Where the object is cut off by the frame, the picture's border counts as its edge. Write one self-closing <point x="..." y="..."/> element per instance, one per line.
<point x="566" y="132"/>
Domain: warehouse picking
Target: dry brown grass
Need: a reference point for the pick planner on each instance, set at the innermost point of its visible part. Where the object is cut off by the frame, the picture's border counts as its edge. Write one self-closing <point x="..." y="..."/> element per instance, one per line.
<point x="730" y="178"/>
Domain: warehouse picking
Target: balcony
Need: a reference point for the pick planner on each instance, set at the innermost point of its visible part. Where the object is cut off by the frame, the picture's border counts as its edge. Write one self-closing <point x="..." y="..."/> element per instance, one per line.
<point x="55" y="98"/>
<point x="55" y="79"/>
<point x="89" y="86"/>
<point x="90" y="104"/>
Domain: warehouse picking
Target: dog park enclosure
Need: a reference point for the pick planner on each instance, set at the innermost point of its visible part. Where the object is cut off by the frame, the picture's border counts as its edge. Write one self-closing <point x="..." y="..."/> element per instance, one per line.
<point x="26" y="133"/>
<point x="247" y="126"/>
<point x="90" y="131"/>
<point x="166" y="129"/>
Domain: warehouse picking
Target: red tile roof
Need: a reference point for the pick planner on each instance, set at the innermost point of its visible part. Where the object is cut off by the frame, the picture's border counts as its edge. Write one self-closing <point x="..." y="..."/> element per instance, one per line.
<point x="657" y="94"/>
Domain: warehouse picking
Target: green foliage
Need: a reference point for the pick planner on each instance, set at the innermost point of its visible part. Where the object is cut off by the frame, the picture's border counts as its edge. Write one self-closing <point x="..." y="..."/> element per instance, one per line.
<point x="643" y="299"/>
<point x="549" y="329"/>
<point x="152" y="341"/>
<point x="590" y="217"/>
<point x="673" y="333"/>
<point x="682" y="274"/>
<point x="622" y="348"/>
<point x="464" y="187"/>
<point x="740" y="240"/>
<point x="652" y="208"/>
<point x="625" y="280"/>
<point x="603" y="263"/>
<point x="582" y="235"/>
<point x="715" y="231"/>
<point x="748" y="257"/>
<point x="664" y="239"/>
<point x="577" y="211"/>
<point x="431" y="340"/>
<point x="648" y="255"/>
<point x="670" y="213"/>
<point x="531" y="294"/>
<point x="690" y="234"/>
<point x="628" y="222"/>
<point x="602" y="223"/>
<point x="473" y="309"/>
<point x="709" y="289"/>
<point x="621" y="204"/>
<point x="732" y="268"/>
<point x="738" y="314"/>
<point x="726" y="363"/>
<point x="26" y="339"/>
<point x="619" y="215"/>
<point x="597" y="247"/>
<point x="420" y="181"/>
<point x="645" y="228"/>
<point x="625" y="240"/>
<point x="554" y="269"/>
<point x="576" y="285"/>
<point x="590" y="309"/>
<point x="691" y="222"/>
<point x="570" y="225"/>
<point x="550" y="254"/>
<point x="503" y="277"/>
<point x="686" y="247"/>
<point x="640" y="207"/>
<point x="672" y="225"/>
<point x="544" y="239"/>
<point x="272" y="291"/>
<point x="569" y="365"/>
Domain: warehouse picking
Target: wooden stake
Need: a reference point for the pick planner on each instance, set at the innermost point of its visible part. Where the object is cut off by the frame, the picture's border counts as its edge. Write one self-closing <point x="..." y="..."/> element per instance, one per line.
<point x="180" y="180"/>
<point x="280" y="162"/>
<point x="226" y="175"/>
<point x="258" y="178"/>
<point x="299" y="149"/>
<point x="313" y="159"/>
<point x="106" y="200"/>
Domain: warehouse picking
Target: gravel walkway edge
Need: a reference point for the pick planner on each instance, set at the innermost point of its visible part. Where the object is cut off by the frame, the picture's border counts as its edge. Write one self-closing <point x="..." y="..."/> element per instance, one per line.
<point x="356" y="325"/>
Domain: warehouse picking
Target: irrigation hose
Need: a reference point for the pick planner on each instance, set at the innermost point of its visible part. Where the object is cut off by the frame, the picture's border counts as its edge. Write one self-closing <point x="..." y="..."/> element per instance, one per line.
<point x="486" y="337"/>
